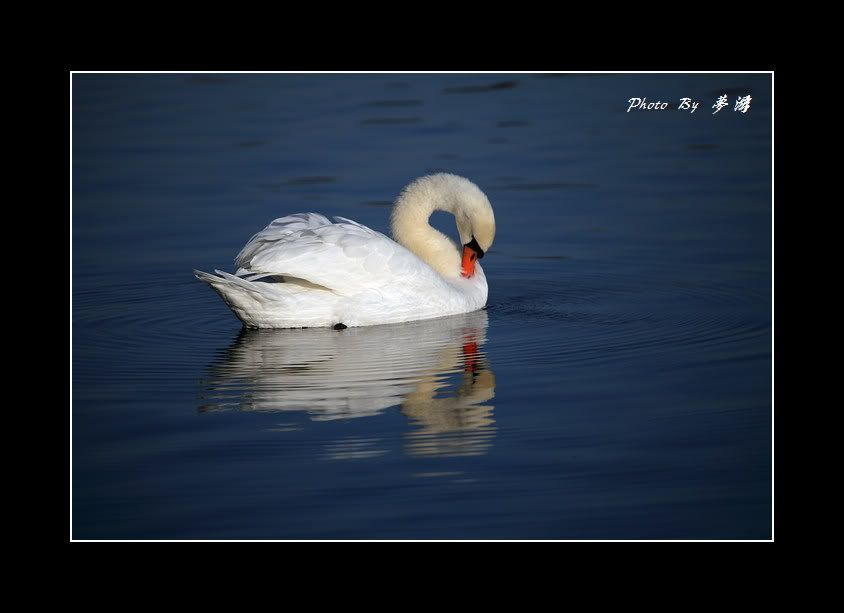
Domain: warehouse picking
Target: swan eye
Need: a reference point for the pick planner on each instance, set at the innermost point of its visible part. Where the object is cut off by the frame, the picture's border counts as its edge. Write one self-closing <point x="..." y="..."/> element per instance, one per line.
<point x="475" y="247"/>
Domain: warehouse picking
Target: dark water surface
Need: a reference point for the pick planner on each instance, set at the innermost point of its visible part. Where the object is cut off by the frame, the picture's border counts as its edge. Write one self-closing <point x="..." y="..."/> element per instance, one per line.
<point x="618" y="386"/>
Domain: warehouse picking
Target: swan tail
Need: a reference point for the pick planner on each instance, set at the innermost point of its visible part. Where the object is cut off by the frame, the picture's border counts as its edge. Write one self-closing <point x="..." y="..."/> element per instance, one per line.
<point x="248" y="301"/>
<point x="222" y="279"/>
<point x="266" y="305"/>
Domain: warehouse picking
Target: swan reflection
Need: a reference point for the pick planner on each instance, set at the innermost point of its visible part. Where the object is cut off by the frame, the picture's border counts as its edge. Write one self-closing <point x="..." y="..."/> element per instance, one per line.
<point x="434" y="370"/>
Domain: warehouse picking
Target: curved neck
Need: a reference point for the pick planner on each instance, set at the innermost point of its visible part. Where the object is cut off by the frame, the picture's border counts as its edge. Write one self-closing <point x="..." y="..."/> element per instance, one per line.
<point x="410" y="228"/>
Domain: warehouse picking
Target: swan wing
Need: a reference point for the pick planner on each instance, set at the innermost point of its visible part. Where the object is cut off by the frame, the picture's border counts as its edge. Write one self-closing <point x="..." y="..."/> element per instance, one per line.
<point x="279" y="230"/>
<point x="344" y="256"/>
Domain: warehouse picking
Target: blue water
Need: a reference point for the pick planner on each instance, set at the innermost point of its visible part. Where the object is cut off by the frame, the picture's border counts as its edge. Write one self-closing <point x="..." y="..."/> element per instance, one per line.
<point x="618" y="386"/>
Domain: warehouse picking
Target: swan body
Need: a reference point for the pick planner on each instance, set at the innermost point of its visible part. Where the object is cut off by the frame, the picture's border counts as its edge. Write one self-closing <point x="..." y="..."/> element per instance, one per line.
<point x="304" y="270"/>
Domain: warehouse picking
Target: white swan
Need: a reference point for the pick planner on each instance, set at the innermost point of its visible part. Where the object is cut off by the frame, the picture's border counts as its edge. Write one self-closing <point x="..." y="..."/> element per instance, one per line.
<point x="305" y="271"/>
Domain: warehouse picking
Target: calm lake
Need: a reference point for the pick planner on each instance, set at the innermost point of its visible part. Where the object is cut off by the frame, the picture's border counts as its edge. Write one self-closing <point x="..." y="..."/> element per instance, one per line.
<point x="617" y="386"/>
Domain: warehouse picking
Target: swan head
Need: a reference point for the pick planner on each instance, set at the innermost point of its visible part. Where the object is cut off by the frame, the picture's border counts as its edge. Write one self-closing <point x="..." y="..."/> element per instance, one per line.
<point x="475" y="224"/>
<point x="472" y="212"/>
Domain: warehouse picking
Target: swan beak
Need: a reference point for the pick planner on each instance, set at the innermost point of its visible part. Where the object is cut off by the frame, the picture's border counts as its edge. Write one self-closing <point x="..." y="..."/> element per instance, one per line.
<point x="469" y="259"/>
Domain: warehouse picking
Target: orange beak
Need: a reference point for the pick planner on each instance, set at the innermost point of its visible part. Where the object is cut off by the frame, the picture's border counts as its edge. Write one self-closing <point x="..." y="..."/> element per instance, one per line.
<point x="469" y="259"/>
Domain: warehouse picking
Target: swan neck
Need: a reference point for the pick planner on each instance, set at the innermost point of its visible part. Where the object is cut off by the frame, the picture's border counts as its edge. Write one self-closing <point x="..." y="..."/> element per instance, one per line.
<point x="410" y="227"/>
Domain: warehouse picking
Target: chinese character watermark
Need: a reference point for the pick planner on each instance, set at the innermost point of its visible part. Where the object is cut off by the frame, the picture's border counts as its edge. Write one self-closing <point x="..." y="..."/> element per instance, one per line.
<point x="743" y="104"/>
<point x="720" y="103"/>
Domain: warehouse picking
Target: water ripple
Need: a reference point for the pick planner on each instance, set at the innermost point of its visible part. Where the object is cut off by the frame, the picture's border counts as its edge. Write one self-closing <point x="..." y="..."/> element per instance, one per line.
<point x="437" y="373"/>
<point x="118" y="334"/>
<point x="479" y="89"/>
<point x="607" y="317"/>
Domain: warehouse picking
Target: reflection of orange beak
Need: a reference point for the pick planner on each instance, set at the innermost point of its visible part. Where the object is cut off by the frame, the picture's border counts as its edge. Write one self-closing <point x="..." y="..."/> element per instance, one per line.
<point x="469" y="259"/>
<point x="470" y="356"/>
